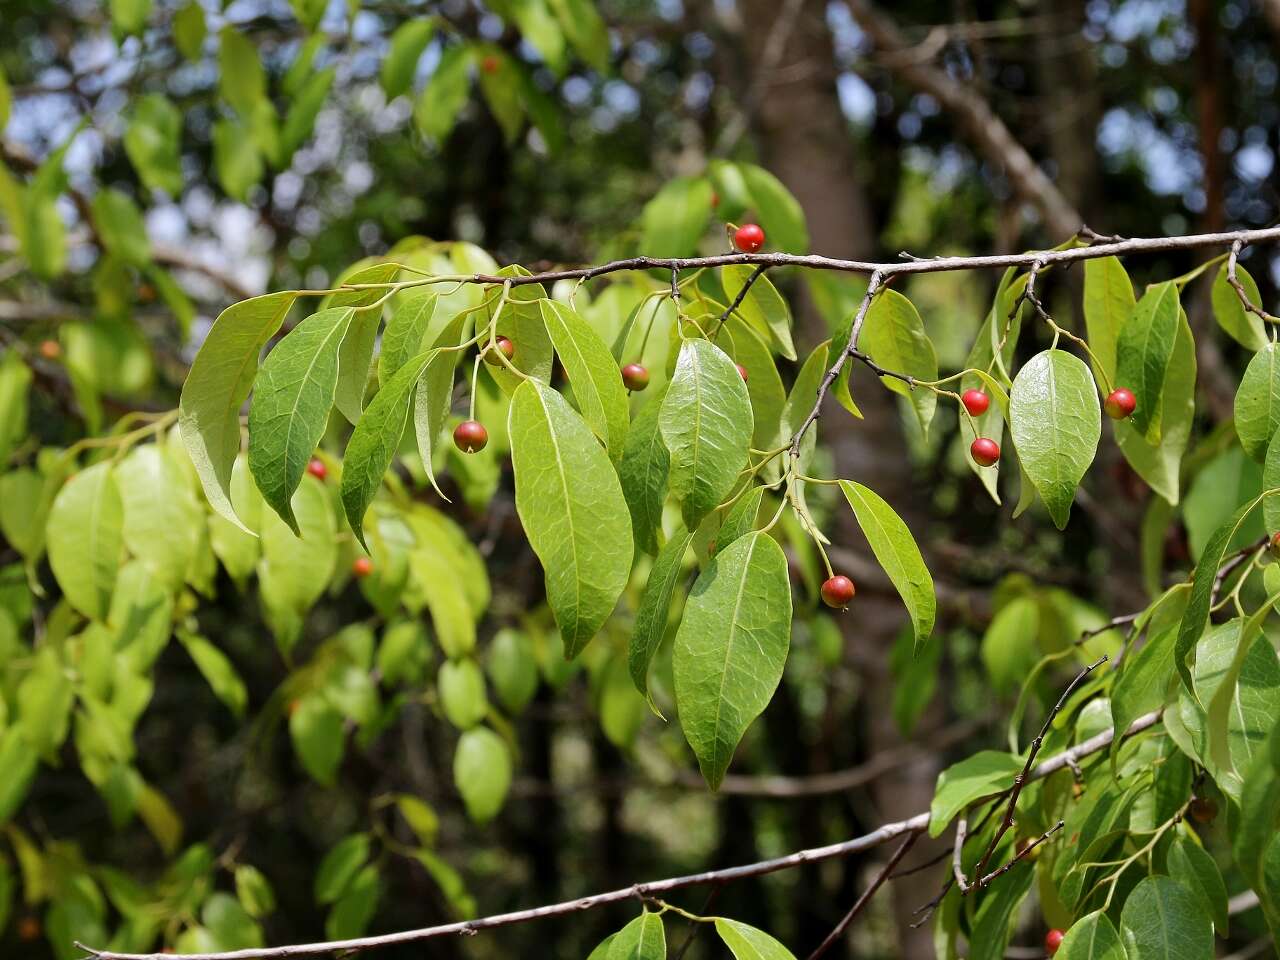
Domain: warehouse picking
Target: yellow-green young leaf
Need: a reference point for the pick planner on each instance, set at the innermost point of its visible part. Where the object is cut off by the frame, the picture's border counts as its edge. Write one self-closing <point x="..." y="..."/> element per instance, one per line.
<point x="513" y="669"/>
<point x="799" y="405"/>
<point x="339" y="867"/>
<point x="128" y="17"/>
<point x="644" y="938"/>
<point x="44" y="235"/>
<point x="1143" y="353"/>
<point x="161" y="517"/>
<point x="643" y="474"/>
<point x="316" y="729"/>
<point x="1055" y="420"/>
<point x="236" y="548"/>
<point x="446" y="92"/>
<point x="655" y="608"/>
<point x="598" y="392"/>
<point x="482" y="773"/>
<point x="584" y="29"/>
<point x="571" y="505"/>
<point x="44" y="700"/>
<point x="236" y="158"/>
<point x="402" y="339"/>
<point x="1243" y="326"/>
<point x="987" y="771"/>
<point x="242" y="81"/>
<point x="436" y="532"/>
<point x="1160" y="465"/>
<point x="1163" y="920"/>
<point x="120" y="226"/>
<point x="220" y="378"/>
<point x="747" y="943"/>
<point x="300" y="119"/>
<point x="706" y="424"/>
<point x="731" y="647"/>
<point x="19" y="760"/>
<point x="539" y="28"/>
<point x="85" y="538"/>
<point x="462" y="694"/>
<point x="764" y="385"/>
<point x="309" y="12"/>
<point x="294" y="572"/>
<point x="896" y="550"/>
<point x="229" y="923"/>
<point x="407" y="44"/>
<point x="762" y="308"/>
<point x="189" y="30"/>
<point x="15" y="382"/>
<point x="893" y="336"/>
<point x="218" y="672"/>
<point x="780" y="213"/>
<point x="675" y="219"/>
<point x="23" y="509"/>
<point x="439" y="580"/>
<point x="1093" y="936"/>
<point x="152" y="141"/>
<point x="292" y="397"/>
<point x="1108" y="301"/>
<point x="1258" y="402"/>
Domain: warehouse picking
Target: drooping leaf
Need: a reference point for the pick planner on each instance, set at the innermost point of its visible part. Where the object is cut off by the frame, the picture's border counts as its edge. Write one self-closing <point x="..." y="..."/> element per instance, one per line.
<point x="780" y="213"/>
<point x="1192" y="866"/>
<point x="446" y="92"/>
<point x="482" y="773"/>
<point x="241" y="77"/>
<point x="764" y="385"/>
<point x="403" y="338"/>
<point x="85" y="538"/>
<point x="1092" y="937"/>
<point x="219" y="672"/>
<point x="897" y="553"/>
<point x="1163" y="920"/>
<point x="292" y="397"/>
<point x="571" y="505"/>
<point x="1108" y="302"/>
<point x="318" y="739"/>
<point x="1010" y="645"/>
<point x="434" y="396"/>
<point x="1271" y="481"/>
<point x="1055" y="421"/>
<point x="644" y="938"/>
<point x="654" y="610"/>
<point x="513" y="669"/>
<point x="598" y="392"/>
<point x="1257" y="406"/>
<point x="585" y="30"/>
<point x="1143" y="685"/>
<point x="462" y="694"/>
<point x="407" y="43"/>
<point x="300" y="120"/>
<point x="747" y="943"/>
<point x="15" y="384"/>
<point x="339" y="867"/>
<point x="706" y="425"/>
<point x="1243" y="326"/>
<point x="643" y="474"/>
<point x="731" y="647"/>
<point x="1144" y="350"/>
<point x="996" y="912"/>
<point x="355" y="355"/>
<point x="190" y="29"/>
<point x="161" y="517"/>
<point x="293" y="571"/>
<point x="893" y="335"/>
<point x="762" y="308"/>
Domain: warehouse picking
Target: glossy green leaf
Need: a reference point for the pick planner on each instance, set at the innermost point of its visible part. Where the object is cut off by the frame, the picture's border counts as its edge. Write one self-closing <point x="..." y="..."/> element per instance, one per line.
<point x="446" y="93"/>
<point x="893" y="335"/>
<point x="731" y="647"/>
<point x="119" y="225"/>
<point x="764" y="385"/>
<point x="895" y="549"/>
<point x="655" y="608"/>
<point x="706" y="425"/>
<point x="403" y="338"/>
<point x="292" y="397"/>
<point x="482" y="773"/>
<point x="1243" y="326"/>
<point x="407" y="43"/>
<point x="1056" y="422"/>
<point x="996" y="912"/>
<point x="598" y="392"/>
<point x="219" y="381"/>
<point x="1143" y="684"/>
<point x="1108" y="302"/>
<point x="1163" y="920"/>
<point x="675" y="219"/>
<point x="1092" y="937"/>
<point x="644" y="938"/>
<point x="1144" y="350"/>
<point x="644" y="472"/>
<point x="85" y="539"/>
<point x="762" y="307"/>
<point x="1192" y="866"/>
<point x="984" y="773"/>
<point x="779" y="212"/>
<point x="1271" y="481"/>
<point x="747" y="943"/>
<point x="1160" y="464"/>
<point x="571" y="505"/>
<point x="1257" y="406"/>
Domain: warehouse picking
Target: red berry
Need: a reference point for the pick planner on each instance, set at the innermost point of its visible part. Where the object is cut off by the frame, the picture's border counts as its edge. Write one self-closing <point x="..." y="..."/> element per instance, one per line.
<point x="489" y="64"/>
<point x="748" y="238"/>
<point x="1275" y="544"/>
<point x="317" y="469"/>
<point x="504" y="346"/>
<point x="1052" y="941"/>
<point x="715" y="199"/>
<point x="1203" y="810"/>
<point x="635" y="377"/>
<point x="470" y="436"/>
<point x="1120" y="403"/>
<point x="984" y="451"/>
<point x="742" y="372"/>
<point x="362" y="567"/>
<point x="50" y="349"/>
<point x="976" y="402"/>
<point x="28" y="929"/>
<point x="838" y="591"/>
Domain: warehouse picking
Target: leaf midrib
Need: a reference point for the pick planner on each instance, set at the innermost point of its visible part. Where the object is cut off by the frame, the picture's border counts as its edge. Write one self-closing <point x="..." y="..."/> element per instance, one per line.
<point x="733" y="630"/>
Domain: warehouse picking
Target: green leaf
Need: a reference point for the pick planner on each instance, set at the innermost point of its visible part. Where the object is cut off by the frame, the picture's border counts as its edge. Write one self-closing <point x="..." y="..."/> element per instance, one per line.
<point x="462" y="693"/>
<point x="644" y="472"/>
<point x="644" y="938"/>
<point x="500" y="86"/>
<point x="85" y="538"/>
<point x="706" y="425"/>
<point x="897" y="553"/>
<point x="44" y="700"/>
<point x="242" y="81"/>
<point x="189" y="30"/>
<point x="340" y="866"/>
<point x="1144" y="350"/>
<point x="1108" y="302"/>
<point x="747" y="943"/>
<point x="129" y="17"/>
<point x="731" y="647"/>
<point x="675" y="219"/>
<point x="407" y="44"/>
<point x="584" y="30"/>
<point x="318" y="739"/>
<point x="1055" y="421"/>
<point x="598" y="392"/>
<point x="893" y="335"/>
<point x="779" y="212"/>
<point x="294" y="572"/>
<point x="15" y="384"/>
<point x="434" y="396"/>
<point x="402" y="340"/>
<point x="161" y="517"/>
<point x="1160" y="465"/>
<point x="120" y="226"/>
<point x="300" y="120"/>
<point x="1196" y="870"/>
<point x="764" y="385"/>
<point x="254" y="891"/>
<point x="763" y="308"/>
<point x="482" y="773"/>
<point x="996" y="913"/>
<point x="152" y="142"/>
<point x="513" y="669"/>
<point x="355" y="356"/>
<point x="571" y="505"/>
<point x="309" y="12"/>
<point x="19" y="760"/>
<point x="218" y="672"/>
<point x="220" y="378"/>
<point x="984" y="773"/>
<point x="6" y="107"/>
<point x="292" y="397"/>
<point x="1143" y="685"/>
<point x="236" y="158"/>
<point x="1243" y="326"/>
<point x="1010" y="645"/>
<point x="655" y="608"/>
<point x="1163" y="920"/>
<point x="351" y="915"/>
<point x="1258" y="402"/>
<point x="1093" y="936"/>
<point x="1271" y="481"/>
<point x="446" y="93"/>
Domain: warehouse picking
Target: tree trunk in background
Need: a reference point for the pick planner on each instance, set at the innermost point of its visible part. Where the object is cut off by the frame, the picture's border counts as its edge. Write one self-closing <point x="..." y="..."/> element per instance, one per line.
<point x="805" y="141"/>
